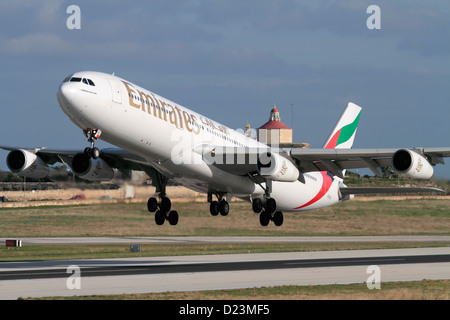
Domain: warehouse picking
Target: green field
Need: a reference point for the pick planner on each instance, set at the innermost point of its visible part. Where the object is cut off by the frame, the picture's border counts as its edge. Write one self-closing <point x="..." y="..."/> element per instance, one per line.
<point x="411" y="290"/>
<point x="381" y="217"/>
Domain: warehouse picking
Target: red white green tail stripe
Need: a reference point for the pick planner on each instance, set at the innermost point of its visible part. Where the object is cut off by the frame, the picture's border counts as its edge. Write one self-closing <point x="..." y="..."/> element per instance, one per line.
<point x="344" y="132"/>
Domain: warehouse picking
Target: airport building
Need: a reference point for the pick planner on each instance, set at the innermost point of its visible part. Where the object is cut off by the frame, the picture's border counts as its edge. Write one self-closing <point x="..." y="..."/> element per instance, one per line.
<point x="275" y="133"/>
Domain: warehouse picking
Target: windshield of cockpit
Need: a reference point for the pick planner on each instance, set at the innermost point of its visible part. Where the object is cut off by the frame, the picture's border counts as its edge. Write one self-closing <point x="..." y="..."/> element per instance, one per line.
<point x="87" y="81"/>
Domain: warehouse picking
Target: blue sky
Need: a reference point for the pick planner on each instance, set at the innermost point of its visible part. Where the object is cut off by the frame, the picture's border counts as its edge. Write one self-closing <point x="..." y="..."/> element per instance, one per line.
<point x="232" y="61"/>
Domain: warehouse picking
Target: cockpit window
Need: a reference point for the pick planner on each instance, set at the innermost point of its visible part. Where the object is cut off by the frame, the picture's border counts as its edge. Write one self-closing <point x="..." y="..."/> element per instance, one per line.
<point x="86" y="81"/>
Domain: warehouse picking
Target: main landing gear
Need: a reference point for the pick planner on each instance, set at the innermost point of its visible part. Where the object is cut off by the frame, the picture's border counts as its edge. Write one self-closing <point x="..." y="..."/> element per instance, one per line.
<point x="221" y="206"/>
<point x="162" y="209"/>
<point x="268" y="209"/>
<point x="267" y="212"/>
<point x="92" y="135"/>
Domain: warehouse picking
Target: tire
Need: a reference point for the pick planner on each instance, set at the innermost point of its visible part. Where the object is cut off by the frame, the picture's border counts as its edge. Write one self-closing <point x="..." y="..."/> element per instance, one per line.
<point x="214" y="208"/>
<point x="160" y="217"/>
<point x="173" y="218"/>
<point x="271" y="205"/>
<point x="264" y="218"/>
<point x="88" y="152"/>
<point x="152" y="205"/>
<point x="278" y="218"/>
<point x="95" y="154"/>
<point x="224" y="208"/>
<point x="165" y="204"/>
<point x="257" y="205"/>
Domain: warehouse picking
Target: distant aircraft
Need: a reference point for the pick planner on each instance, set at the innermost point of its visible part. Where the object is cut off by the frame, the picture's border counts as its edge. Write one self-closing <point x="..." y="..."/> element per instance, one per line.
<point x="169" y="141"/>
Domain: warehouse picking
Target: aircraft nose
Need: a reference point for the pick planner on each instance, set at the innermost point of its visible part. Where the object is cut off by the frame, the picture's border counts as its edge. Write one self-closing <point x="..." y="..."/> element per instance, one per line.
<point x="65" y="93"/>
<point x="70" y="103"/>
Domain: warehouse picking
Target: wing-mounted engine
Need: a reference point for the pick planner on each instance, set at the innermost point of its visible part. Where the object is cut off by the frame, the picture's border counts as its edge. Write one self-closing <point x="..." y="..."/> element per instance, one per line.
<point x="27" y="164"/>
<point x="277" y="168"/>
<point x="91" y="169"/>
<point x="411" y="164"/>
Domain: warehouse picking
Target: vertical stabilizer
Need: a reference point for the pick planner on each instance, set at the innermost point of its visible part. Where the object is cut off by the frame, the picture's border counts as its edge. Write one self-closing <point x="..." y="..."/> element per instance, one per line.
<point x="344" y="132"/>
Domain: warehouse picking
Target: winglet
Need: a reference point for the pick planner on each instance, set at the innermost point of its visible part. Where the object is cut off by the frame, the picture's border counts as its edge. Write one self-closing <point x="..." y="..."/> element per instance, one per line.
<point x="344" y="132"/>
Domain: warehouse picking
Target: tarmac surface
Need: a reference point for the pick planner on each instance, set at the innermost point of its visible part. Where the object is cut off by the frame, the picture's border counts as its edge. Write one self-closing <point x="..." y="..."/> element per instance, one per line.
<point x="212" y="272"/>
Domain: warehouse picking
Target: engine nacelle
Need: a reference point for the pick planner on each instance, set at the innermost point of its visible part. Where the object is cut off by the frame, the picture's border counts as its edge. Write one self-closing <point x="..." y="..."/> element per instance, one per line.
<point x="276" y="167"/>
<point x="27" y="164"/>
<point x="91" y="169"/>
<point x="412" y="164"/>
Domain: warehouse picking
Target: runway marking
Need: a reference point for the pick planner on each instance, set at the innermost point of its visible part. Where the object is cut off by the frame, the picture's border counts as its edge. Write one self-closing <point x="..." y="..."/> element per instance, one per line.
<point x="223" y="266"/>
<point x="344" y="261"/>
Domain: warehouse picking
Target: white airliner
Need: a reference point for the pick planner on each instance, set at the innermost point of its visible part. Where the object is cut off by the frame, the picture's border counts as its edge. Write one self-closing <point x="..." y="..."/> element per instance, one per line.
<point x="169" y="141"/>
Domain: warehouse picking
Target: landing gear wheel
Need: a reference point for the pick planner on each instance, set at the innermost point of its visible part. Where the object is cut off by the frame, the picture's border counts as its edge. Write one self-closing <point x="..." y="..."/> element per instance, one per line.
<point x="95" y="153"/>
<point x="257" y="205"/>
<point x="264" y="218"/>
<point x="152" y="204"/>
<point x="173" y="217"/>
<point x="214" y="208"/>
<point x="160" y="217"/>
<point x="88" y="151"/>
<point x="278" y="218"/>
<point x="271" y="205"/>
<point x="165" y="204"/>
<point x="224" y="208"/>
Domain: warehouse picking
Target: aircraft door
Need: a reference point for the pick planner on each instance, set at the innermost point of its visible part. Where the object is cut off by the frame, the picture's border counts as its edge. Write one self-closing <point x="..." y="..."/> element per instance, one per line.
<point x="115" y="89"/>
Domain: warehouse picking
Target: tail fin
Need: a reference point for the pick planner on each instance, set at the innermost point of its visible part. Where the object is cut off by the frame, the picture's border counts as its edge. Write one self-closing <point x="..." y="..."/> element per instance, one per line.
<point x="344" y="132"/>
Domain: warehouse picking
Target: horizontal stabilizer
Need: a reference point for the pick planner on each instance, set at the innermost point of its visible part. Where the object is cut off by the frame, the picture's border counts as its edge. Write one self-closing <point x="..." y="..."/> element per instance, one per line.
<point x="374" y="190"/>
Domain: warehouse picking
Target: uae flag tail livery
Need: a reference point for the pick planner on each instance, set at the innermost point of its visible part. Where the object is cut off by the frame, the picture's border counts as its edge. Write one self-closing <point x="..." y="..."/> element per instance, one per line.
<point x="344" y="132"/>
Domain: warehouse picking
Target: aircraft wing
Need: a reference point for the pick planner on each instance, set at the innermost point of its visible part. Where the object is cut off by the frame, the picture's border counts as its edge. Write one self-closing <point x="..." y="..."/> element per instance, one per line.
<point x="337" y="160"/>
<point x="34" y="162"/>
<point x="379" y="190"/>
<point x="244" y="161"/>
<point x="115" y="157"/>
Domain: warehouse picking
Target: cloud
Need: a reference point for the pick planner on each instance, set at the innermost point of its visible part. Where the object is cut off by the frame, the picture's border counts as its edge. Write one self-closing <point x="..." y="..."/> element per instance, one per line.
<point x="34" y="44"/>
<point x="49" y="12"/>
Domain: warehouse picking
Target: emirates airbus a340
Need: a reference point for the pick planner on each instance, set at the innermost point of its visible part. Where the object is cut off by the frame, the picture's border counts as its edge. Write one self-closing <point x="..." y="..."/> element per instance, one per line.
<point x="169" y="141"/>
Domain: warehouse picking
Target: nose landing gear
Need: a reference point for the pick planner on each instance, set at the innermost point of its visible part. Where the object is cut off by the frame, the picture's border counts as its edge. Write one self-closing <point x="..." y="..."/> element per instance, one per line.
<point x="92" y="135"/>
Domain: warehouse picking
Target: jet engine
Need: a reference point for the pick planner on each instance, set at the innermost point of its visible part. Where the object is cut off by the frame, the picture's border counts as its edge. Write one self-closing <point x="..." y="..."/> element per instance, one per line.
<point x="412" y="164"/>
<point x="27" y="164"/>
<point x="276" y="167"/>
<point x="91" y="169"/>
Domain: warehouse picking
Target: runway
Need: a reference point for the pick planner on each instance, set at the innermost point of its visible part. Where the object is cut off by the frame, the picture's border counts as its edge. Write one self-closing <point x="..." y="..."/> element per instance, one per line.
<point x="211" y="272"/>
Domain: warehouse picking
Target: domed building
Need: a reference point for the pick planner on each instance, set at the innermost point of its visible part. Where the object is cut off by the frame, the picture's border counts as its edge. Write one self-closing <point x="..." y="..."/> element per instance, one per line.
<point x="274" y="132"/>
